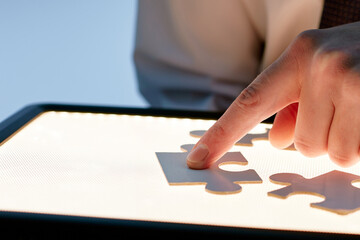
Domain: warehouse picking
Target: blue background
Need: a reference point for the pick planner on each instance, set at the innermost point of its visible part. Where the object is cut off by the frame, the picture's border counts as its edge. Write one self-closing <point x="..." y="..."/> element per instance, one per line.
<point x="67" y="51"/>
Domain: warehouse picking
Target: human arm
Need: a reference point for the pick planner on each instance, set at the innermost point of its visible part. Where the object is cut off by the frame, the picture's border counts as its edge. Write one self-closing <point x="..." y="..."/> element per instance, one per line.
<point x="195" y="55"/>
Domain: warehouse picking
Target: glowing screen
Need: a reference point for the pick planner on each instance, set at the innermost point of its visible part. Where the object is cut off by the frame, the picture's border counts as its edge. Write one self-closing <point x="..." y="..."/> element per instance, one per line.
<point x="105" y="165"/>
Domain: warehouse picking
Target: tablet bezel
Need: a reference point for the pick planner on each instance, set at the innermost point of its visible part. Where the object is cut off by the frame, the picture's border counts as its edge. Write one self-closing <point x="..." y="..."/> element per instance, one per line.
<point x="35" y="224"/>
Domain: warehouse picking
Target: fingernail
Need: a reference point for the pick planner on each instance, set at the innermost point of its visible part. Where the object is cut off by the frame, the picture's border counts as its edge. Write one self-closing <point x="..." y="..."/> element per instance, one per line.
<point x="196" y="158"/>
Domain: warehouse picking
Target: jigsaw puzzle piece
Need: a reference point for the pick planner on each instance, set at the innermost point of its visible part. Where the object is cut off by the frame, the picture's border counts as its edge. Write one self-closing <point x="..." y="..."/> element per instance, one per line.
<point x="215" y="179"/>
<point x="340" y="196"/>
<point x="226" y="186"/>
<point x="285" y="179"/>
<point x="230" y="181"/>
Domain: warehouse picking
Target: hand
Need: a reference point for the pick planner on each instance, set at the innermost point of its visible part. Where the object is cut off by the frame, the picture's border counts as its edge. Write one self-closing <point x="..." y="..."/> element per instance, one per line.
<point x="315" y="88"/>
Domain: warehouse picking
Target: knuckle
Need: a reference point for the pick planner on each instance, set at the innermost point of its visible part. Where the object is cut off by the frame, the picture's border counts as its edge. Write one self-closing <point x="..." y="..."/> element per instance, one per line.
<point x="307" y="40"/>
<point x="342" y="79"/>
<point x="307" y="148"/>
<point x="303" y="47"/>
<point x="334" y="60"/>
<point x="309" y="35"/>
<point x="342" y="158"/>
<point x="249" y="97"/>
<point x="218" y="135"/>
<point x="218" y="130"/>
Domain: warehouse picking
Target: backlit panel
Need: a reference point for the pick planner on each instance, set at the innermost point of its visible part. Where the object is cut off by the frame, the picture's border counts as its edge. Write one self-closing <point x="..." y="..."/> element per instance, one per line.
<point x="104" y="165"/>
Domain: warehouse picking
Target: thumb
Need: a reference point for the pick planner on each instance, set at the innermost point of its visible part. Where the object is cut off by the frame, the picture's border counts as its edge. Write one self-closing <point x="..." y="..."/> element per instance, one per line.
<point x="275" y="88"/>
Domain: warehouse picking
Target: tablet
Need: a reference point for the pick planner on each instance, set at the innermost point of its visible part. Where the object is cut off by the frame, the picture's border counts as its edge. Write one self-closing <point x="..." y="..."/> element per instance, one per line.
<point x="98" y="168"/>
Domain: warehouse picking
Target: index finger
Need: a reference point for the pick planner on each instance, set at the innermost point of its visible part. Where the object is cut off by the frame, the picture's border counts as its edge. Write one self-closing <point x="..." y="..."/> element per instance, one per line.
<point x="275" y="88"/>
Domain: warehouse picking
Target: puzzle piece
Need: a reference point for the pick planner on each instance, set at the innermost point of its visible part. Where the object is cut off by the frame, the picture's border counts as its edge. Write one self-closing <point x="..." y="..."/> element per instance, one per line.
<point x="246" y="140"/>
<point x="216" y="180"/>
<point x="340" y="195"/>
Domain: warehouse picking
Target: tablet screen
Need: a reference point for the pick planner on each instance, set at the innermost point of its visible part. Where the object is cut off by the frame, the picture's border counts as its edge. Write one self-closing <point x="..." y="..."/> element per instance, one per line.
<point x="106" y="165"/>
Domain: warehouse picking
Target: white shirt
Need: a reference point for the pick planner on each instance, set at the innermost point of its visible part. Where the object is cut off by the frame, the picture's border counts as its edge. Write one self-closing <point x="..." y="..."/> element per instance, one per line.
<point x="200" y="54"/>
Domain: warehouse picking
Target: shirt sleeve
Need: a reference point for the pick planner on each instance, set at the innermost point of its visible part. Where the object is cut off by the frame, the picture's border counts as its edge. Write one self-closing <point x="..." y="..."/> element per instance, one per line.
<point x="195" y="54"/>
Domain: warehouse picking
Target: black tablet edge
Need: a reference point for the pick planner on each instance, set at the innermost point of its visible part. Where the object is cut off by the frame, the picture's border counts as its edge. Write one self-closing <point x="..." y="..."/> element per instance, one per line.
<point x="12" y="124"/>
<point x="59" y="226"/>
